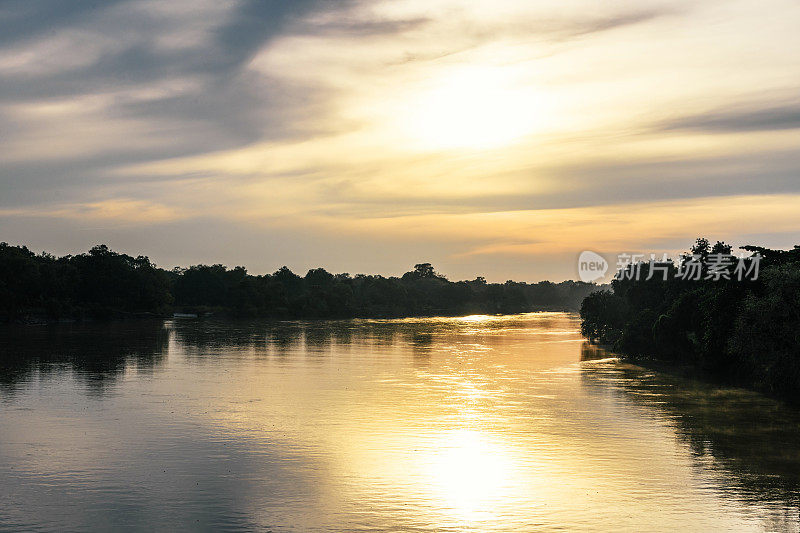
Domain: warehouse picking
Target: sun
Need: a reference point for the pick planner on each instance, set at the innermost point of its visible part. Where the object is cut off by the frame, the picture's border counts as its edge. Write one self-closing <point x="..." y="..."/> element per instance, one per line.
<point x="471" y="107"/>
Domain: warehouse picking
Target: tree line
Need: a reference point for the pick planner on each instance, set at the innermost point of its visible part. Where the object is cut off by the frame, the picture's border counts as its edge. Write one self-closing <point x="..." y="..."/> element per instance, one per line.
<point x="742" y="331"/>
<point x="103" y="283"/>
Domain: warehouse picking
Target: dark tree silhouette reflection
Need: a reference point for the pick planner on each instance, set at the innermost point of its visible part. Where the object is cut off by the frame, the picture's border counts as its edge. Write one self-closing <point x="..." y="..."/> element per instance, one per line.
<point x="96" y="354"/>
<point x="754" y="441"/>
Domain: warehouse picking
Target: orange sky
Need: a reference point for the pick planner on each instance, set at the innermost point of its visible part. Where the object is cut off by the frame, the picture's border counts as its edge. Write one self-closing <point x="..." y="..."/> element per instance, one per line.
<point x="490" y="138"/>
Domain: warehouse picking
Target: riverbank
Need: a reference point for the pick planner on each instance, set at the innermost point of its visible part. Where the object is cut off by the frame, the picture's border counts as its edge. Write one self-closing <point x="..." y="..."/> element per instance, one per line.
<point x="229" y="314"/>
<point x="104" y="284"/>
<point x="741" y="331"/>
<point x="685" y="367"/>
<point x="685" y="371"/>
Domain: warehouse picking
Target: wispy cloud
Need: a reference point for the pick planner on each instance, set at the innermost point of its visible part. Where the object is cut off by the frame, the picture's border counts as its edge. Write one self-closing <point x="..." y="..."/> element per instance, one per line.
<point x="742" y="118"/>
<point x="458" y="129"/>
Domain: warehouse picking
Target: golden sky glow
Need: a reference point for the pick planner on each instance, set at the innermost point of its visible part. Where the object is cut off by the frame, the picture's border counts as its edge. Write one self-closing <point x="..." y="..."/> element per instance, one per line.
<point x="497" y="138"/>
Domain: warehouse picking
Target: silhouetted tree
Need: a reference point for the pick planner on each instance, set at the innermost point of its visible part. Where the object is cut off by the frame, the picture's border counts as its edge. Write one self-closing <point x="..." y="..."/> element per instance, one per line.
<point x="744" y="331"/>
<point x="104" y="284"/>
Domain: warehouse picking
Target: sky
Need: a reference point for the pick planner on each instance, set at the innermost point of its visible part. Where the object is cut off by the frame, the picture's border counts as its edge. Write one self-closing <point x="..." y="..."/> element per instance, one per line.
<point x="497" y="138"/>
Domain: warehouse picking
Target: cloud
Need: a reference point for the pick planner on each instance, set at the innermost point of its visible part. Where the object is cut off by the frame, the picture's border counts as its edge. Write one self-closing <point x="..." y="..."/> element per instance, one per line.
<point x="257" y="21"/>
<point x="120" y="210"/>
<point x="418" y="117"/>
<point x="25" y="20"/>
<point x="741" y="118"/>
<point x="92" y="86"/>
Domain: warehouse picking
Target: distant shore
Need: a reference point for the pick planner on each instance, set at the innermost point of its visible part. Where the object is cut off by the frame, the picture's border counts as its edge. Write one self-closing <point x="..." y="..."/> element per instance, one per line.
<point x="105" y="285"/>
<point x="226" y="314"/>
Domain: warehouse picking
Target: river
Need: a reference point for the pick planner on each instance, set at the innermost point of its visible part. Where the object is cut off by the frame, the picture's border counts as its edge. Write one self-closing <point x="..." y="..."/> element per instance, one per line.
<point x="509" y="423"/>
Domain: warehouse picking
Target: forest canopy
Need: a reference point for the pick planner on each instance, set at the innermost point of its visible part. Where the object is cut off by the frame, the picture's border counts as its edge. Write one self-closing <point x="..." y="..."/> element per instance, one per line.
<point x="103" y="283"/>
<point x="742" y="331"/>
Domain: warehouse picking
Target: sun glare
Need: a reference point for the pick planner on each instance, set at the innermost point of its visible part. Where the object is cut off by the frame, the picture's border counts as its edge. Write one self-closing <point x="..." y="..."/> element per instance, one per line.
<point x="474" y="318"/>
<point x="471" y="473"/>
<point x="472" y="108"/>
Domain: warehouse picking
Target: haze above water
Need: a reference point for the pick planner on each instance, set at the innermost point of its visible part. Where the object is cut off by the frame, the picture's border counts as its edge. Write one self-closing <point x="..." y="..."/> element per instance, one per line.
<point x="464" y="424"/>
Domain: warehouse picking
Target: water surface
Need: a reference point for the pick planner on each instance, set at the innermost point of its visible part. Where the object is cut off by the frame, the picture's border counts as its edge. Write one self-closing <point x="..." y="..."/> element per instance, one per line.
<point x="466" y="424"/>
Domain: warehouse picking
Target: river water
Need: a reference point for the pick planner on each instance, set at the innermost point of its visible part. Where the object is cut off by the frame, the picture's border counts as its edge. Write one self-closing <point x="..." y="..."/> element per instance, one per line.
<point x="438" y="424"/>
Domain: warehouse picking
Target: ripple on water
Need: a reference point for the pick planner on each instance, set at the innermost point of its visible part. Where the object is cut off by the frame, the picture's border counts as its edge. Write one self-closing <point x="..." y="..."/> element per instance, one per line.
<point x="437" y="424"/>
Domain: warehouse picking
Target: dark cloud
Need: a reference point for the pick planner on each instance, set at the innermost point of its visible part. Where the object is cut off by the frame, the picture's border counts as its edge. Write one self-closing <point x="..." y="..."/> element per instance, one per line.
<point x="135" y="57"/>
<point x="733" y="119"/>
<point x="596" y="185"/>
<point x="258" y="20"/>
<point x="23" y="20"/>
<point x="222" y="107"/>
<point x="167" y="80"/>
<point x="364" y="28"/>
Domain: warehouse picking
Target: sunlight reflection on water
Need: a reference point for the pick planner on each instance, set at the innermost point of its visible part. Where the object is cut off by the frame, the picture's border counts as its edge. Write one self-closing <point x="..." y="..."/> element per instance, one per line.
<point x="478" y="423"/>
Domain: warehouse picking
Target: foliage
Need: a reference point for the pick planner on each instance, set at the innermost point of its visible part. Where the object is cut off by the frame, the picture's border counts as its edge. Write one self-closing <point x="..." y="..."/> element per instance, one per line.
<point x="106" y="284"/>
<point x="100" y="283"/>
<point x="742" y="331"/>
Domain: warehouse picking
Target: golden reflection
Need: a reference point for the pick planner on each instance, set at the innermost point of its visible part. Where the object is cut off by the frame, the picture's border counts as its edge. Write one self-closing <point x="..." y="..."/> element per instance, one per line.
<point x="470" y="473"/>
<point x="471" y="442"/>
<point x="474" y="318"/>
